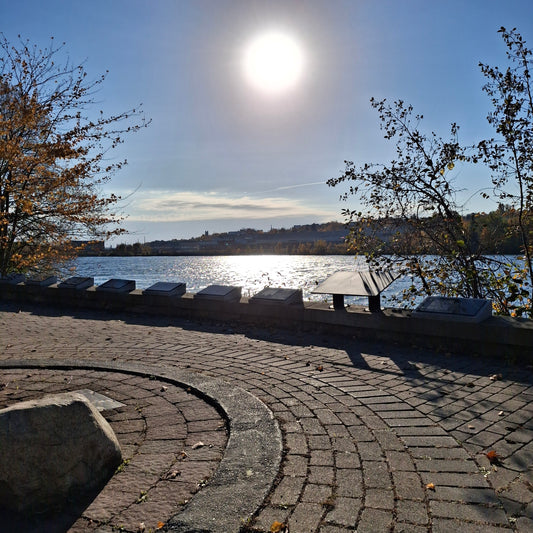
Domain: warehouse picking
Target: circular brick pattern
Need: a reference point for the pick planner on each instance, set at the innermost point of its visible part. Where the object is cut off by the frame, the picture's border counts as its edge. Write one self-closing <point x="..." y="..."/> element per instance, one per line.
<point x="171" y="440"/>
<point x="376" y="437"/>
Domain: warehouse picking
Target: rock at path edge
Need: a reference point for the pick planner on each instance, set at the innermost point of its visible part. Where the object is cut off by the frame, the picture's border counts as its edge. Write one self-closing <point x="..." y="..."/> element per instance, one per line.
<point x="54" y="451"/>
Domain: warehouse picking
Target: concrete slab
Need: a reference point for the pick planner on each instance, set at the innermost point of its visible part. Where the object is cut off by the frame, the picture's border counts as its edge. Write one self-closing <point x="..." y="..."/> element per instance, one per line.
<point x="277" y="296"/>
<point x="117" y="285"/>
<point x="12" y="279"/>
<point x="225" y="293"/>
<point x="101" y="402"/>
<point x="42" y="281"/>
<point x="77" y="282"/>
<point x="164" y="288"/>
<point x="460" y="309"/>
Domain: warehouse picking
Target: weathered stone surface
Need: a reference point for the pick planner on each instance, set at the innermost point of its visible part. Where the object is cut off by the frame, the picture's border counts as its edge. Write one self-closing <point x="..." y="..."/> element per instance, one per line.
<point x="54" y="451"/>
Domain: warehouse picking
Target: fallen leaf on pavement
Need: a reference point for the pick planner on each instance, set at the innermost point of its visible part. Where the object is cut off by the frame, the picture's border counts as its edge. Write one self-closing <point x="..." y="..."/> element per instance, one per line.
<point x="496" y="377"/>
<point x="199" y="444"/>
<point x="430" y="486"/>
<point x="279" y="527"/>
<point x="494" y="458"/>
<point x="172" y="474"/>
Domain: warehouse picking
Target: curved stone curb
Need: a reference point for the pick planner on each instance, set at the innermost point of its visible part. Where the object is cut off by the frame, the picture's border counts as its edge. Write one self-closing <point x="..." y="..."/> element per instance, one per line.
<point x="251" y="459"/>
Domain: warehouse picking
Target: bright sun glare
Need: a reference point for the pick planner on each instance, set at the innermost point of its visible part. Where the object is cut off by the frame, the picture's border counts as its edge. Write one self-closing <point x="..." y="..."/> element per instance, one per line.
<point x="273" y="62"/>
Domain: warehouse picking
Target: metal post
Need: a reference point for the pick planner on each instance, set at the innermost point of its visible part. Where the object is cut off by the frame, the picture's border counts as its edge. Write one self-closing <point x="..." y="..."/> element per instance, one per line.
<point x="338" y="301"/>
<point x="374" y="304"/>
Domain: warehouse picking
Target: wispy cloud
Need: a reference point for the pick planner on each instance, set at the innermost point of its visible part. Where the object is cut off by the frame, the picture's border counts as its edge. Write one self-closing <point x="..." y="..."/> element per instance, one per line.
<point x="172" y="206"/>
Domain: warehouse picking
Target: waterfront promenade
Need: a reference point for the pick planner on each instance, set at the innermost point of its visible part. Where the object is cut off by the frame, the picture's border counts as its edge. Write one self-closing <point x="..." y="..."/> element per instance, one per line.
<point x="365" y="437"/>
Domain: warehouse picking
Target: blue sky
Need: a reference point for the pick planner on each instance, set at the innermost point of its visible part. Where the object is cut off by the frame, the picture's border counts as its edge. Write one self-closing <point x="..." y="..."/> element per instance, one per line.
<point x="220" y="154"/>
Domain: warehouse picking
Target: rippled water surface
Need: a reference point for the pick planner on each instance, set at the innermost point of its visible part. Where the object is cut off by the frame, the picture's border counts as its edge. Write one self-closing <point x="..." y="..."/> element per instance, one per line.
<point x="252" y="273"/>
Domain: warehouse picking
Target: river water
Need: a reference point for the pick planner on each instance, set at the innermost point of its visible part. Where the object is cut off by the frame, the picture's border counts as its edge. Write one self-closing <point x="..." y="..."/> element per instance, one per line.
<point x="251" y="272"/>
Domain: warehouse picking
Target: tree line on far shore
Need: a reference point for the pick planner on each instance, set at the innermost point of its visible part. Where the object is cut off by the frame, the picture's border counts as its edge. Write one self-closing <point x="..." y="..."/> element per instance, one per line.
<point x="488" y="233"/>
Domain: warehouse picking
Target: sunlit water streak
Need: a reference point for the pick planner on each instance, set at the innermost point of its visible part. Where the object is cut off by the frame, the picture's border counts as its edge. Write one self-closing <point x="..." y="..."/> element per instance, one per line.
<point x="251" y="272"/>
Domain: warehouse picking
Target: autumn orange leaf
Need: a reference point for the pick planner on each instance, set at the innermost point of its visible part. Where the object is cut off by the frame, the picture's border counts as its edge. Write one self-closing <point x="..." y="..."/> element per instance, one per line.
<point x="493" y="457"/>
<point x="430" y="486"/>
<point x="160" y="525"/>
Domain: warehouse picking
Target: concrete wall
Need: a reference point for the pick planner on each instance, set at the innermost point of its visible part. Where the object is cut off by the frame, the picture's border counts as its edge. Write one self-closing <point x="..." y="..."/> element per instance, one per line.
<point x="497" y="336"/>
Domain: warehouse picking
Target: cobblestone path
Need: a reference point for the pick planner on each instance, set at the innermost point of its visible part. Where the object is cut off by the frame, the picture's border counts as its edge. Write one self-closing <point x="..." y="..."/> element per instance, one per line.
<point x="377" y="437"/>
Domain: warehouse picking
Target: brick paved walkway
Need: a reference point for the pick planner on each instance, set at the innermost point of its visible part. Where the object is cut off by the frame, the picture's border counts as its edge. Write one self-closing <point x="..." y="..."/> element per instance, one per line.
<point x="376" y="437"/>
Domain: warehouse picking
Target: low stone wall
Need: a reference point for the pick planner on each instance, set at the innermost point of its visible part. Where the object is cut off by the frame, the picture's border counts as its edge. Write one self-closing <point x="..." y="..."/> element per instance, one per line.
<point x="503" y="337"/>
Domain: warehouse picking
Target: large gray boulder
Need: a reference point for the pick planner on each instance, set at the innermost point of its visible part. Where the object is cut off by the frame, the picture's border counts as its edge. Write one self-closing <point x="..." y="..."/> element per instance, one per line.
<point x="54" y="451"/>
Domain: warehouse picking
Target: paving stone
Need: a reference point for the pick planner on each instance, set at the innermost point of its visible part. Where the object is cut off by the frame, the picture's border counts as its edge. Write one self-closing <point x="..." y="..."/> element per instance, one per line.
<point x="524" y="525"/>
<point x="401" y="527"/>
<point x="408" y="485"/>
<point x="345" y="511"/>
<point x="295" y="465"/>
<point x="440" y="525"/>
<point x="374" y="521"/>
<point x="349" y="483"/>
<point x="305" y="518"/>
<point x="323" y="475"/>
<point x="465" y="495"/>
<point x="269" y="515"/>
<point x="288" y="491"/>
<point x="314" y="493"/>
<point x="477" y="513"/>
<point x="376" y="474"/>
<point x="415" y="512"/>
<point x="446" y="465"/>
<point x="379" y="498"/>
<point x="454" y="479"/>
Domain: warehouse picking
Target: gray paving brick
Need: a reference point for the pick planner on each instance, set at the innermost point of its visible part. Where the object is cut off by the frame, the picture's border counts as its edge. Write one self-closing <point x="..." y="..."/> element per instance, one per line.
<point x="446" y="465"/>
<point x="306" y="517"/>
<point x="415" y="512"/>
<point x="380" y="498"/>
<point x="288" y="491"/>
<point x="473" y="512"/>
<point x="374" y="521"/>
<point x="345" y="511"/>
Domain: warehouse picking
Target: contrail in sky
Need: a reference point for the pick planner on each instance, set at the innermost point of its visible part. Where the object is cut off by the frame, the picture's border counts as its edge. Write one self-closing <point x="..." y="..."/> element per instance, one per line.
<point x="289" y="187"/>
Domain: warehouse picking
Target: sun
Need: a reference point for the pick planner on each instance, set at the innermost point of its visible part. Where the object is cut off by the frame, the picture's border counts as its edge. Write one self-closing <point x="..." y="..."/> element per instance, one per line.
<point x="273" y="62"/>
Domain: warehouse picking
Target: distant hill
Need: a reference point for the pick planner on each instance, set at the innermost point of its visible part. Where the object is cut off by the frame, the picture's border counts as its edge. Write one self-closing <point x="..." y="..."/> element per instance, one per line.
<point x="487" y="233"/>
<point x="325" y="238"/>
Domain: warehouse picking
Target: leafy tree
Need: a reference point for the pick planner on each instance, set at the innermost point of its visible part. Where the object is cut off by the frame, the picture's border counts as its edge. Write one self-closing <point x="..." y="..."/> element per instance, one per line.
<point x="408" y="209"/>
<point x="408" y="217"/>
<point x="52" y="158"/>
<point x="510" y="156"/>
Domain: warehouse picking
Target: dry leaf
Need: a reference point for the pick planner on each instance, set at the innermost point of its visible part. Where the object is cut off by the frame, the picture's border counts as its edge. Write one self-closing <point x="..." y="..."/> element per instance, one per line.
<point x="172" y="474"/>
<point x="160" y="525"/>
<point x="320" y="368"/>
<point x="430" y="486"/>
<point x="494" y="458"/>
<point x="501" y="413"/>
<point x="199" y="444"/>
<point x="496" y="377"/>
<point x="278" y="527"/>
<point x="164" y="388"/>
